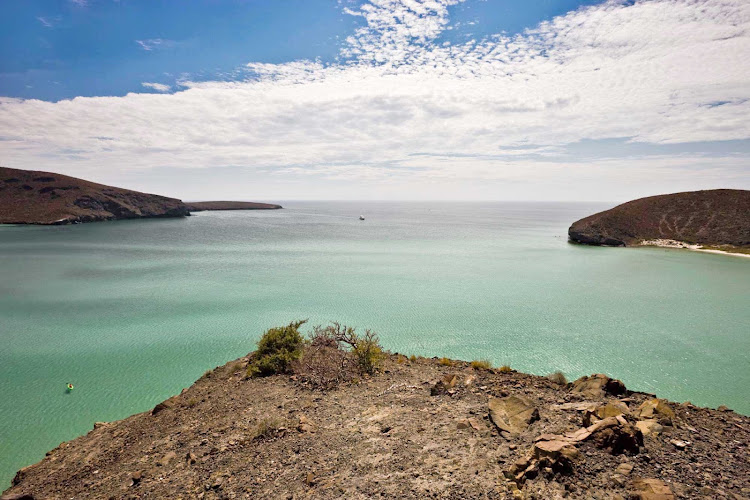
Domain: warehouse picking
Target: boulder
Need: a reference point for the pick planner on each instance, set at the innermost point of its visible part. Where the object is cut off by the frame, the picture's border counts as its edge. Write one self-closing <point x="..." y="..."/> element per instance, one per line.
<point x="512" y="414"/>
<point x="656" y="409"/>
<point x="597" y="385"/>
<point x="651" y="489"/>
<point x="620" y="438"/>
<point x="611" y="409"/>
<point x="649" y="427"/>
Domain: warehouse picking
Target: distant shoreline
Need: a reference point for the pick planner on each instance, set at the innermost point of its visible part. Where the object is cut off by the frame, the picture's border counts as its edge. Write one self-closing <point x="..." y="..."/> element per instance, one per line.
<point x="666" y="243"/>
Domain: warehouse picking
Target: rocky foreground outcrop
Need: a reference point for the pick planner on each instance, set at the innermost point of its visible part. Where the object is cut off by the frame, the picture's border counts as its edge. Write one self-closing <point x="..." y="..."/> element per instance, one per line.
<point x="32" y="197"/>
<point x="422" y="428"/>
<point x="718" y="217"/>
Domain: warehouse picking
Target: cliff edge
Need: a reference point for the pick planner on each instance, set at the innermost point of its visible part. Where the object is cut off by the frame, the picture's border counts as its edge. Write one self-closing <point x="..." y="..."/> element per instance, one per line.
<point x="718" y="217"/>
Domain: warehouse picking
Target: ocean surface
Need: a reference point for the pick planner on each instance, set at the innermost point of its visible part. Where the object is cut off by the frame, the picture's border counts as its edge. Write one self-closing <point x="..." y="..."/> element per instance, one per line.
<point x="133" y="311"/>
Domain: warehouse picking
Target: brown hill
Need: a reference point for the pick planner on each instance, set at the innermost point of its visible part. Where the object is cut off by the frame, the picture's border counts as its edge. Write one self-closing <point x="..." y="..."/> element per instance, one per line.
<point x="32" y="197"/>
<point x="476" y="433"/>
<point x="200" y="206"/>
<point x="718" y="217"/>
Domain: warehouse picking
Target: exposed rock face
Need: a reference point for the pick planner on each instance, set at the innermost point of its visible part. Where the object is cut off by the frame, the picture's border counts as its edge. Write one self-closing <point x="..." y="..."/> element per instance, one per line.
<point x="597" y="385"/>
<point x="200" y="206"/>
<point x="386" y="436"/>
<point x="512" y="414"/>
<point x="714" y="217"/>
<point x="29" y="197"/>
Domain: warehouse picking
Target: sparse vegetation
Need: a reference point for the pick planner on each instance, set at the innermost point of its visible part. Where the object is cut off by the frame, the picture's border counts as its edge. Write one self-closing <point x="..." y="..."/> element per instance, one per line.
<point x="446" y="362"/>
<point x="277" y="349"/>
<point x="413" y="358"/>
<point x="505" y="369"/>
<point x="558" y="377"/>
<point x="336" y="353"/>
<point x="481" y="364"/>
<point x="265" y="429"/>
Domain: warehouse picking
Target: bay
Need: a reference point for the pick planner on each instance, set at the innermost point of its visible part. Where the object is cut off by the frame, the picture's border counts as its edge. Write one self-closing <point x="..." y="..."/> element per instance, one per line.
<point x="133" y="311"/>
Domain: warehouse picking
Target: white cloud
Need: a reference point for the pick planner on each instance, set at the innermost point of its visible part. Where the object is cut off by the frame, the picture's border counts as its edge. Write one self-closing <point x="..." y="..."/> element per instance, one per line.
<point x="159" y="87"/>
<point x="155" y="44"/>
<point x="659" y="71"/>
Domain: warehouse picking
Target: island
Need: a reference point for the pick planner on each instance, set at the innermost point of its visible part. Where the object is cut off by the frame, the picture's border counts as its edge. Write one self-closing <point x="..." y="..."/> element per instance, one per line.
<point x="45" y="198"/>
<point x="717" y="220"/>
<point x="308" y="419"/>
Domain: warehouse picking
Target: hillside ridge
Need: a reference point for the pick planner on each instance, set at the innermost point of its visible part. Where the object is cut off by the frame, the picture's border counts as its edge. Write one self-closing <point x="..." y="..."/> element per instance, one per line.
<point x="718" y="217"/>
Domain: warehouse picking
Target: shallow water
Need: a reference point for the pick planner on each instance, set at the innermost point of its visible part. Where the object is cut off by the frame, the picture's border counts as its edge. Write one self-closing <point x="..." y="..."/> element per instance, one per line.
<point x="133" y="311"/>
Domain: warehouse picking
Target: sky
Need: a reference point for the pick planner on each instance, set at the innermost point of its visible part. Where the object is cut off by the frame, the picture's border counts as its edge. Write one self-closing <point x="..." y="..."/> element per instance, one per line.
<point x="380" y="99"/>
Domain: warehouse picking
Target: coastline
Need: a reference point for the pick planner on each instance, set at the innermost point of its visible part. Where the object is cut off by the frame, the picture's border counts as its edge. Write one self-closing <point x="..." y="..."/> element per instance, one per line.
<point x="667" y="243"/>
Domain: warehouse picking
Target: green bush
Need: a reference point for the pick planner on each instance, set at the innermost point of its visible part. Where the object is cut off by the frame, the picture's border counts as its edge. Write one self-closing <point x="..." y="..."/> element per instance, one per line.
<point x="277" y="349"/>
<point x="368" y="352"/>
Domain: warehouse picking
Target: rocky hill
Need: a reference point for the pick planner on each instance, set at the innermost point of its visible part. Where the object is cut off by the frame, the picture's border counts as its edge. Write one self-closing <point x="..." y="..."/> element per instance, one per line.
<point x="200" y="206"/>
<point x="32" y="197"/>
<point x="719" y="217"/>
<point x="421" y="428"/>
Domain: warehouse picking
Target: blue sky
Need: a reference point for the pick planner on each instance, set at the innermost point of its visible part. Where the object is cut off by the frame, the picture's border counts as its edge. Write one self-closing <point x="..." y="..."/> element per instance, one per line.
<point x="61" y="49"/>
<point x="380" y="99"/>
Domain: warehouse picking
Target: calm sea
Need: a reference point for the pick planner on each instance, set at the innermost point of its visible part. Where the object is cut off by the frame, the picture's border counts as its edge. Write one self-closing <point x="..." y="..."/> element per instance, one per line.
<point x="133" y="311"/>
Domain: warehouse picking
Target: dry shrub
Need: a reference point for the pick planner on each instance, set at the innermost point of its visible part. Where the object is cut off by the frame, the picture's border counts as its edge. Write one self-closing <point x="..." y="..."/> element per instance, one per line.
<point x="558" y="377"/>
<point x="481" y="364"/>
<point x="336" y="353"/>
<point x="413" y="358"/>
<point x="446" y="362"/>
<point x="505" y="369"/>
<point x="266" y="429"/>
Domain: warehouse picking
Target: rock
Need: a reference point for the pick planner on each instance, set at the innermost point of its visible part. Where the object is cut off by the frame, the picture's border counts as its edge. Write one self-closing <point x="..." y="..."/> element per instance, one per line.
<point x="595" y="386"/>
<point x="474" y="423"/>
<point x="624" y="469"/>
<point x="305" y="425"/>
<point x="21" y="496"/>
<point x="619" y="438"/>
<point x="512" y="414"/>
<point x="649" y="427"/>
<point x="723" y="408"/>
<point x="611" y="409"/>
<point x="166" y="459"/>
<point x="136" y="478"/>
<point x="164" y="405"/>
<point x="558" y="449"/>
<point x="463" y="424"/>
<point x="98" y="425"/>
<point x="310" y="479"/>
<point x="190" y="458"/>
<point x="651" y="489"/>
<point x="656" y="409"/>
<point x="679" y="444"/>
<point x="444" y="385"/>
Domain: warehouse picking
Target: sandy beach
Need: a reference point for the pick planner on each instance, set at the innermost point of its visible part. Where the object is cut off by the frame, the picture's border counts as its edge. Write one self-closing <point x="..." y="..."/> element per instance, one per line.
<point x="665" y="243"/>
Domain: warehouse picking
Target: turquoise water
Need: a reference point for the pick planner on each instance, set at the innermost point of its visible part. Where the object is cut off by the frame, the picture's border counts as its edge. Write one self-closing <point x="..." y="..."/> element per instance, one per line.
<point x="133" y="311"/>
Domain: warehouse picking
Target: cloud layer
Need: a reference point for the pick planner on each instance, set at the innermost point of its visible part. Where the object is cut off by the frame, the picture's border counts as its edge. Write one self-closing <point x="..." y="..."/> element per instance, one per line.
<point x="402" y="106"/>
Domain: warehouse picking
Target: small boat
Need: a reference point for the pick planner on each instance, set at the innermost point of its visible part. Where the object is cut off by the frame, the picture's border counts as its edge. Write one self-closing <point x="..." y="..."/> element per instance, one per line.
<point x="361" y="217"/>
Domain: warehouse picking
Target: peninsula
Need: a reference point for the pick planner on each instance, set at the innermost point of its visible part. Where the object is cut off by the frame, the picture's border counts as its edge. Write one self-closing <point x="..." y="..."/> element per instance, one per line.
<point x="403" y="427"/>
<point x="201" y="206"/>
<point x="717" y="219"/>
<point x="34" y="197"/>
